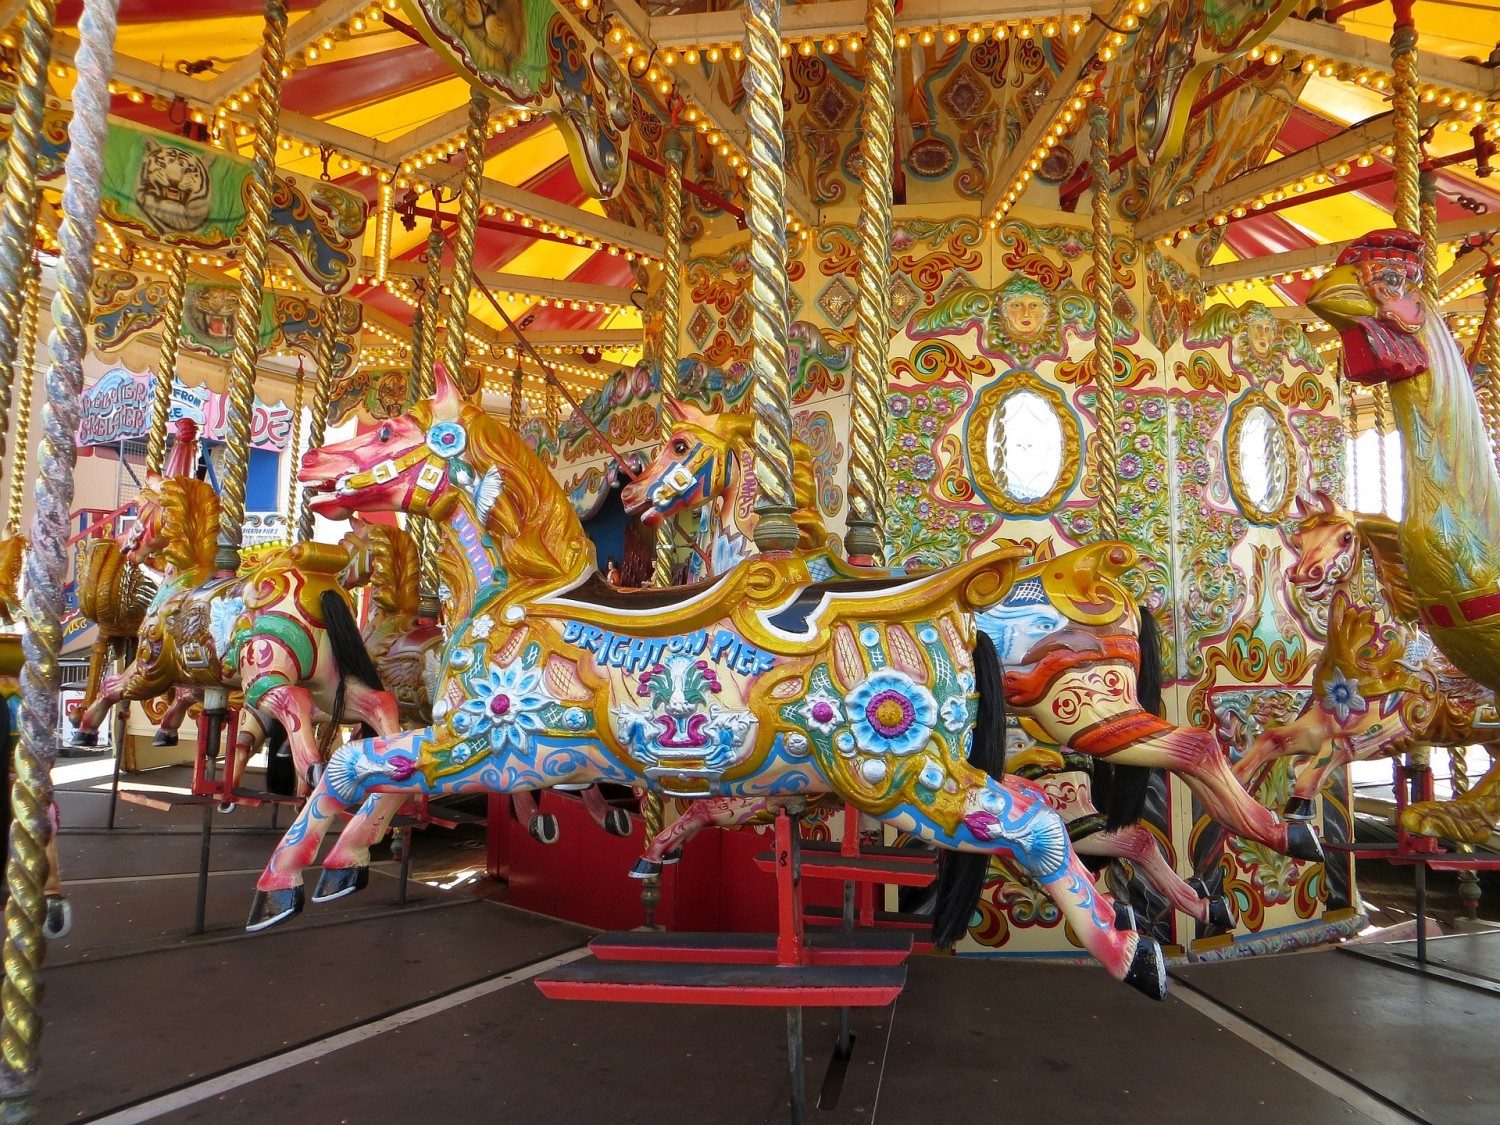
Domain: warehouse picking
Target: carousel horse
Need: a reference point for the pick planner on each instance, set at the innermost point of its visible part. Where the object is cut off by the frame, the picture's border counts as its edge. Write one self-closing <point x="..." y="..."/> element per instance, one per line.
<point x="1449" y="535"/>
<point x="405" y="651"/>
<point x="1073" y="671"/>
<point x="1377" y="689"/>
<point x="766" y="682"/>
<point x="285" y="631"/>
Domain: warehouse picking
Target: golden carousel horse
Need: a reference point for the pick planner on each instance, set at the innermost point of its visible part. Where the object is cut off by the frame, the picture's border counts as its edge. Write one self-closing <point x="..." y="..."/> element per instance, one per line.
<point x="1449" y="535"/>
<point x="285" y="630"/>
<point x="1377" y="689"/>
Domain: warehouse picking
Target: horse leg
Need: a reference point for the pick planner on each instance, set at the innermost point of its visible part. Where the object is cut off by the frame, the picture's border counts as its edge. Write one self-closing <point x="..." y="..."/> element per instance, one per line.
<point x="59" y="916"/>
<point x="87" y="733"/>
<point x="1195" y="755"/>
<point x="1269" y="745"/>
<point x="176" y="712"/>
<point x="1136" y="844"/>
<point x="347" y="868"/>
<point x="724" y="812"/>
<point x="614" y="821"/>
<point x="1334" y="754"/>
<point x="374" y="706"/>
<point x="540" y="826"/>
<point x="1012" y="816"/>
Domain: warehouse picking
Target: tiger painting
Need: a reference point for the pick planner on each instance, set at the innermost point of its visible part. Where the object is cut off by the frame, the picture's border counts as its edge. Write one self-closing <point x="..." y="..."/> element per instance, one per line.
<point x="173" y="188"/>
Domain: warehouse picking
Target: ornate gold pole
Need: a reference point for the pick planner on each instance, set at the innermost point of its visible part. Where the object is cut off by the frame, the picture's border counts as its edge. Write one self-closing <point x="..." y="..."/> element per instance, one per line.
<point x="1487" y="352"/>
<point x="46" y="564"/>
<point x="765" y="215"/>
<point x="253" y="249"/>
<point x="166" y="362"/>
<point x="1407" y="124"/>
<point x="18" y="209"/>
<point x="463" y="239"/>
<point x="425" y="531"/>
<point x="669" y="343"/>
<point x="294" y="454"/>
<point x="1106" y="433"/>
<point x="1378" y="395"/>
<point x="864" y="542"/>
<point x="333" y="319"/>
<point x="25" y="378"/>
<point x="515" y="400"/>
<point x="1427" y="208"/>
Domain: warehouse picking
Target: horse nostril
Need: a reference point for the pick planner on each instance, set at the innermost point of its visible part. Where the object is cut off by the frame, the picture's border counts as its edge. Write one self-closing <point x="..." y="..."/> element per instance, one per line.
<point x="1317" y="573"/>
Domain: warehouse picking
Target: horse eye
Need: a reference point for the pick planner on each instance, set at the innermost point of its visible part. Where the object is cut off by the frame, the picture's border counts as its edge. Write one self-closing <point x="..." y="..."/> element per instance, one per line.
<point x="679" y="447"/>
<point x="384" y="434"/>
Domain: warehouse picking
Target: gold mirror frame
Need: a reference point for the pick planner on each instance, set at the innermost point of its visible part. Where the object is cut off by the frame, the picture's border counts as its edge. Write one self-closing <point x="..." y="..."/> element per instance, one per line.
<point x="1239" y="415"/>
<point x="989" y="401"/>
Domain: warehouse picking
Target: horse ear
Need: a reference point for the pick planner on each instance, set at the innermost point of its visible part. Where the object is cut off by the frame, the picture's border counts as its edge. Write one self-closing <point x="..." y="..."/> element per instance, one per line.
<point x="675" y="409"/>
<point x="1300" y="509"/>
<point x="447" y="399"/>
<point x="1324" y="501"/>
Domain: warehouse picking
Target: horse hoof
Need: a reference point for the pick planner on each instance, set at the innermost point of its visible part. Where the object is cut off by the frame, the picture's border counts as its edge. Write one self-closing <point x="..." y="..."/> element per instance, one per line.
<point x="617" y="822"/>
<point x="314" y="775"/>
<point x="336" y="882"/>
<point x="1125" y="918"/>
<point x="671" y="857"/>
<point x="86" y="738"/>
<point x="645" y="869"/>
<point x="543" y="828"/>
<point x="272" y="907"/>
<point x="1221" y="913"/>
<point x="164" y="738"/>
<point x="1299" y="808"/>
<point x="1148" y="970"/>
<point x="1302" y="842"/>
<point x="59" y="917"/>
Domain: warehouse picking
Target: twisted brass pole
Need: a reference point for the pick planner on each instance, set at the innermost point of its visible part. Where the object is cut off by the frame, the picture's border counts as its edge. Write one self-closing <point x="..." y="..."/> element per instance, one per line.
<point x="1378" y="396"/>
<point x="25" y="378"/>
<point x="254" y="246"/>
<point x="463" y="239"/>
<point x="765" y="215"/>
<point x="1406" y="123"/>
<point x="1107" y="432"/>
<point x="1487" y="352"/>
<point x="321" y="393"/>
<point x="515" y="400"/>
<point x="864" y="542"/>
<point x="669" y="342"/>
<point x="333" y="319"/>
<point x="425" y="531"/>
<point x="21" y="190"/>
<point x="1427" y="217"/>
<point x="166" y="362"/>
<point x="47" y="561"/>
<point x="294" y="454"/>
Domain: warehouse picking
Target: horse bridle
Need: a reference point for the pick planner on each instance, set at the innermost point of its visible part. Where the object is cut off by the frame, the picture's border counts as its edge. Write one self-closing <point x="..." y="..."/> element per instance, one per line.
<point x="445" y="440"/>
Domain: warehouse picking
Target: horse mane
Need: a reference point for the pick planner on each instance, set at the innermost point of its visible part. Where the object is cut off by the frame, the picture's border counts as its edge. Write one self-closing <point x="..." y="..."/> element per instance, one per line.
<point x="1379" y="534"/>
<point x="738" y="431"/>
<point x="533" y="524"/>
<point x="396" y="569"/>
<point x="190" y="523"/>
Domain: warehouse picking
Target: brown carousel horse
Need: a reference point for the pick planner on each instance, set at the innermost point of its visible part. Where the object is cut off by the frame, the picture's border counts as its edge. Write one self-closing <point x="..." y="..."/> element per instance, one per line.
<point x="1378" y="689"/>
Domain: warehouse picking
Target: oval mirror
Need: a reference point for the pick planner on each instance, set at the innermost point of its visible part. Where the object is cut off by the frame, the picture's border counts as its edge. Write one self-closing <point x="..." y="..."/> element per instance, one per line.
<point x="1029" y="442"/>
<point x="1261" y="456"/>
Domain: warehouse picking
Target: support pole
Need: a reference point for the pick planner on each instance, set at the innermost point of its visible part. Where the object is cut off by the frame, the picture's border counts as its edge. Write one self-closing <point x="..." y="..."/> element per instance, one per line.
<point x="1106" y="433"/>
<point x="669" y="342"/>
<point x="425" y="531"/>
<point x="294" y="455"/>
<point x="254" y="247"/>
<point x="765" y="215"/>
<point x="456" y="344"/>
<point x="46" y="564"/>
<point x="166" y="362"/>
<point x="18" y="207"/>
<point x="333" y="319"/>
<point x="1408" y="128"/>
<point x="1427" y="217"/>
<point x="24" y="378"/>
<point x="864" y="542"/>
<point x="1487" y="353"/>
<point x="515" y="399"/>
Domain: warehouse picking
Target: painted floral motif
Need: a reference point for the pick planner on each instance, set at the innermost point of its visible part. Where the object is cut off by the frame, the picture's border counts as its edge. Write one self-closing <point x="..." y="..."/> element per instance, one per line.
<point x="821" y="711"/>
<point x="509" y="701"/>
<point x="1341" y="697"/>
<point x="481" y="626"/>
<point x="890" y="713"/>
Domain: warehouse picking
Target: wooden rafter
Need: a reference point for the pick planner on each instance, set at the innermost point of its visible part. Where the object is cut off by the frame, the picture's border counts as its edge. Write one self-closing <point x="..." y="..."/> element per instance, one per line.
<point x="843" y="17"/>
<point x="522" y="284"/>
<point x="1343" y="46"/>
<point x="302" y="32"/>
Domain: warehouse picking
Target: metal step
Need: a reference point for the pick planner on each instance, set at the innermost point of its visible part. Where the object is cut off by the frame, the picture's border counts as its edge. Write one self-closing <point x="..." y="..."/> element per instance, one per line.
<point x="826" y="947"/>
<point x="756" y="986"/>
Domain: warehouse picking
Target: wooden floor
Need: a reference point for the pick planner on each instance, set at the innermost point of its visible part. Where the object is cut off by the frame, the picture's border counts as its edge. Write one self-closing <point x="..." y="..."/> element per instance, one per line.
<point x="363" y="1011"/>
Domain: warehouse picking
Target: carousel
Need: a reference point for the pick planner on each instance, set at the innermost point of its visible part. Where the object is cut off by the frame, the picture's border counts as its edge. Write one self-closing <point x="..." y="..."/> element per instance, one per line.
<point x="876" y="510"/>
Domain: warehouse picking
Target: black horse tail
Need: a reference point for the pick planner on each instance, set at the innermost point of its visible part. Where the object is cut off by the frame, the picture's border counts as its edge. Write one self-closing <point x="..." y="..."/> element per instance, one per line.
<point x="350" y="656"/>
<point x="961" y="875"/>
<point x="1120" y="791"/>
<point x="281" y="776"/>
